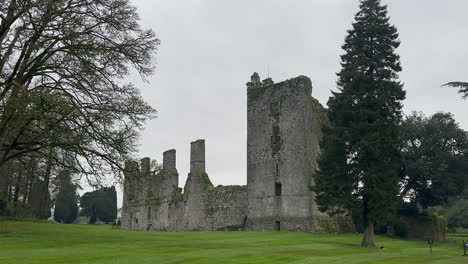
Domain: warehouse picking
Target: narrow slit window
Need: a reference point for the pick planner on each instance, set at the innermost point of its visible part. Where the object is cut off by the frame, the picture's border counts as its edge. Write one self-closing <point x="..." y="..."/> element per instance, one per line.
<point x="278" y="189"/>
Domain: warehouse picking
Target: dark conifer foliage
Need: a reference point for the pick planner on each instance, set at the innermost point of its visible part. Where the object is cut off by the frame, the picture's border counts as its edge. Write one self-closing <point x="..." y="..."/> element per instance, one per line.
<point x="66" y="201"/>
<point x="100" y="204"/>
<point x="360" y="163"/>
<point x="462" y="88"/>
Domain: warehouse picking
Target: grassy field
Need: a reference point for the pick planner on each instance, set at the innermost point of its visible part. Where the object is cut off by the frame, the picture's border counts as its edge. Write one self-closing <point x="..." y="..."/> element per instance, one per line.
<point x="49" y="243"/>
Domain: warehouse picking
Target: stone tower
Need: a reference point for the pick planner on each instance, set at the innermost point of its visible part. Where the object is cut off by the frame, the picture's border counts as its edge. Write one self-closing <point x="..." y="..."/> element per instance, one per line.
<point x="196" y="186"/>
<point x="283" y="134"/>
<point x="197" y="180"/>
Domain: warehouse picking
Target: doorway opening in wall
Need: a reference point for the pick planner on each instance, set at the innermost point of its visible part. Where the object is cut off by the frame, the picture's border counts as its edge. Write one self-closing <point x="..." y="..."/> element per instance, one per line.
<point x="278" y="226"/>
<point x="278" y="188"/>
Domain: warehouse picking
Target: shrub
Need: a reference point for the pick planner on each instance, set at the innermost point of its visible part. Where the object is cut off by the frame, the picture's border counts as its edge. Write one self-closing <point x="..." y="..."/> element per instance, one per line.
<point x="2" y="207"/>
<point x="401" y="229"/>
<point x="457" y="214"/>
<point x="408" y="210"/>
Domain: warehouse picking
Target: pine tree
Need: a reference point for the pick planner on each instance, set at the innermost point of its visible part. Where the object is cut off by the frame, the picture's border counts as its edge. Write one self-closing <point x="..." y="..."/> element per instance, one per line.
<point x="360" y="161"/>
<point x="462" y="88"/>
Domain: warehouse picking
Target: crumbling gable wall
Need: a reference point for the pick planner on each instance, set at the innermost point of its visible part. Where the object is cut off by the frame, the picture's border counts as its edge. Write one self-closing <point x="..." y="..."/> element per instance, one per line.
<point x="154" y="201"/>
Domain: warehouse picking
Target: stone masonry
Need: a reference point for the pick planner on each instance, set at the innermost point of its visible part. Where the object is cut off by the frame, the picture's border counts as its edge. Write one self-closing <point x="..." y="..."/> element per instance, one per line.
<point x="153" y="201"/>
<point x="284" y="130"/>
<point x="283" y="136"/>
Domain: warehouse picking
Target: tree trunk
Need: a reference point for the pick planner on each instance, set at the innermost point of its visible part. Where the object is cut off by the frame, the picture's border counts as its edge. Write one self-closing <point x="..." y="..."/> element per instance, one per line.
<point x="3" y="182"/>
<point x="30" y="180"/>
<point x="10" y="190"/>
<point x="44" y="203"/>
<point x="19" y="178"/>
<point x="368" y="238"/>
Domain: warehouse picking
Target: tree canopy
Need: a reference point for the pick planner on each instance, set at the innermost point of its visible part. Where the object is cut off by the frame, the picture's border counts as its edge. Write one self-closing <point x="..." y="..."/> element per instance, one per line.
<point x="62" y="88"/>
<point x="435" y="159"/>
<point x="66" y="198"/>
<point x="100" y="204"/>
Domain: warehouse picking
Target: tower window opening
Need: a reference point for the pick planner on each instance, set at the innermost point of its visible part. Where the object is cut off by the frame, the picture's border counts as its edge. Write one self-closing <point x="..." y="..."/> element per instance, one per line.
<point x="278" y="189"/>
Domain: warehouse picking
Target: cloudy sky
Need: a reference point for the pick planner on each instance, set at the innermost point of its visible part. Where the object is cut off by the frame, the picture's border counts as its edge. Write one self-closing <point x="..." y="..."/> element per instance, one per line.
<point x="210" y="48"/>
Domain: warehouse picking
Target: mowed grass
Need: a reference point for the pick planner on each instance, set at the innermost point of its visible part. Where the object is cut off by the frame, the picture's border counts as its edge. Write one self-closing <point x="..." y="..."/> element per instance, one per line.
<point x="49" y="243"/>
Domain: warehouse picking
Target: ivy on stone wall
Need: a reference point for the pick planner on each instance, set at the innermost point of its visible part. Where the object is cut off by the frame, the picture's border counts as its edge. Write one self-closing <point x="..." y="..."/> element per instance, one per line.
<point x="206" y="180"/>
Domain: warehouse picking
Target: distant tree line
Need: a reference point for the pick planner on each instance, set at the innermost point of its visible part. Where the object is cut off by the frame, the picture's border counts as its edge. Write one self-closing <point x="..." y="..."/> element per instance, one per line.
<point x="25" y="188"/>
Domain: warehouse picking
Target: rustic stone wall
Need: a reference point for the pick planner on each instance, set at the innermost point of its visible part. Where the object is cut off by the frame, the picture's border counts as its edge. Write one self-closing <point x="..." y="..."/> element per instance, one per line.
<point x="153" y="201"/>
<point x="225" y="207"/>
<point x="283" y="136"/>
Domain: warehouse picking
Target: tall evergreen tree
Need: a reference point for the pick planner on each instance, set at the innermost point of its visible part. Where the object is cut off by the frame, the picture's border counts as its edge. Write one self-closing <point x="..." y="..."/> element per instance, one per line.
<point x="100" y="204"/>
<point x="66" y="200"/>
<point x="462" y="88"/>
<point x="360" y="163"/>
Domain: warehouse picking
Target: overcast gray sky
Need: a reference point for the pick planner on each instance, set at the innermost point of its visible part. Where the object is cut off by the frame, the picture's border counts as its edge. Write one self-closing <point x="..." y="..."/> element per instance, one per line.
<point x="209" y="49"/>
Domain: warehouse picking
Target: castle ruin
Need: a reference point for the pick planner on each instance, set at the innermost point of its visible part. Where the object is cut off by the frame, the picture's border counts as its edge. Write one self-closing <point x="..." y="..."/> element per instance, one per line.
<point x="284" y="130"/>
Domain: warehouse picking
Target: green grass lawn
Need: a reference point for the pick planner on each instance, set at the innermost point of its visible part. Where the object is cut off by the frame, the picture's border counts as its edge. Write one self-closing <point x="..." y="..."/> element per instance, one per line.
<point x="49" y="243"/>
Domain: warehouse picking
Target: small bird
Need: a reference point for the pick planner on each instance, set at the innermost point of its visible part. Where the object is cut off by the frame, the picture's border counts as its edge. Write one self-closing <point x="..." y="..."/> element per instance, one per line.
<point x="382" y="247"/>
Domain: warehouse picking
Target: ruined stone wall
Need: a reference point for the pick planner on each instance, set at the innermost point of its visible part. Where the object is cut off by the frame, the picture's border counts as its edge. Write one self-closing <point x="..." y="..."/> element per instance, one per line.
<point x="284" y="130"/>
<point x="225" y="208"/>
<point x="153" y="201"/>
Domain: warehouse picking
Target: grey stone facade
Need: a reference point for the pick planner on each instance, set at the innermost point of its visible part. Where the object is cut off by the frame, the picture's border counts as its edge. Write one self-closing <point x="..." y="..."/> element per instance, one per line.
<point x="284" y="131"/>
<point x="153" y="201"/>
<point x="283" y="137"/>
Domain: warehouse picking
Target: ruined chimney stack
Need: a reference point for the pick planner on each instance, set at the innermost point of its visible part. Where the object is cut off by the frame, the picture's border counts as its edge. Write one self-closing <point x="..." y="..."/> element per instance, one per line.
<point x="145" y="165"/>
<point x="197" y="156"/>
<point x="169" y="159"/>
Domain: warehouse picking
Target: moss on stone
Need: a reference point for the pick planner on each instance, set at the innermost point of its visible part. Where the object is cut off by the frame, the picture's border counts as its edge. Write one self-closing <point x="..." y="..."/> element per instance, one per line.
<point x="306" y="81"/>
<point x="205" y="179"/>
<point x="219" y="199"/>
<point x="275" y="148"/>
<point x="256" y="92"/>
<point x="152" y="198"/>
<point x="320" y="111"/>
<point x="177" y="194"/>
<point x="174" y="172"/>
